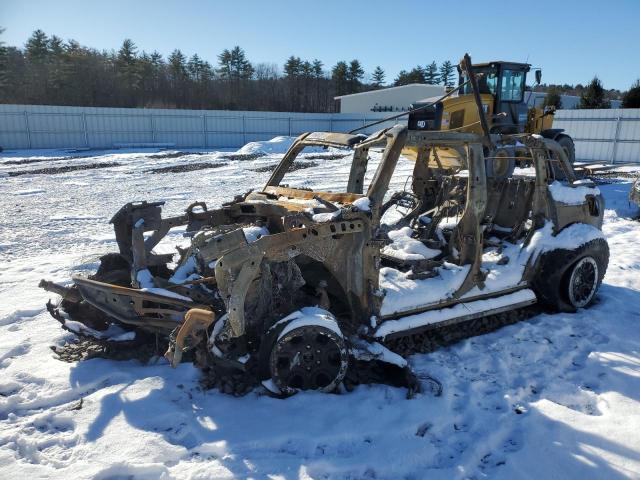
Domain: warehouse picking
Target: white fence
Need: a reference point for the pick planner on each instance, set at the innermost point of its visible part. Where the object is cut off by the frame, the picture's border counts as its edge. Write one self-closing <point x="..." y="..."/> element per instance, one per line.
<point x="600" y="135"/>
<point x="40" y="126"/>
<point x="611" y="136"/>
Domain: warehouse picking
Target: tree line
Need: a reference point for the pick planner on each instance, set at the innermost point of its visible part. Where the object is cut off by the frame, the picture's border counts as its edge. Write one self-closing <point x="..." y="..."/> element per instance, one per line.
<point x="49" y="70"/>
<point x="592" y="96"/>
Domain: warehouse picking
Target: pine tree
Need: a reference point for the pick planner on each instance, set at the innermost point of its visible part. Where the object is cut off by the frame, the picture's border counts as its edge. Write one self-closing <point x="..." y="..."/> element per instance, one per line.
<point x="377" y="78"/>
<point x="177" y="66"/>
<point x="318" y="75"/>
<point x="402" y="78"/>
<point x="317" y="68"/>
<point x="552" y="98"/>
<point x="631" y="98"/>
<point x="233" y="64"/>
<point x="194" y="67"/>
<point x="306" y="69"/>
<point x="292" y="67"/>
<point x="242" y="67"/>
<point x="127" y="52"/>
<point x="415" y="75"/>
<point x="56" y="46"/>
<point x="447" y="73"/>
<point x="339" y="75"/>
<point x="57" y="69"/>
<point x="594" y="95"/>
<point x="4" y="66"/>
<point x="431" y="74"/>
<point x="354" y="76"/>
<point x="37" y="47"/>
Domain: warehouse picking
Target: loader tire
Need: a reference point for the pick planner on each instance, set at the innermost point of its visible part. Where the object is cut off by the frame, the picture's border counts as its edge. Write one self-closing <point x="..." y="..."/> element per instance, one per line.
<point x="570" y="149"/>
<point x="569" y="279"/>
<point x="501" y="165"/>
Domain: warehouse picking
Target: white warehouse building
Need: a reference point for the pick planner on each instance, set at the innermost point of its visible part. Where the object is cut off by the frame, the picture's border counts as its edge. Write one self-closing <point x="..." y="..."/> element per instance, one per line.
<point x="392" y="99"/>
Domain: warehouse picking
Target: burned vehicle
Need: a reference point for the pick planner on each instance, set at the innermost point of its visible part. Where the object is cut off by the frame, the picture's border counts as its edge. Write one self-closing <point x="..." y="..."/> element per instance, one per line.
<point x="297" y="285"/>
<point x="302" y="289"/>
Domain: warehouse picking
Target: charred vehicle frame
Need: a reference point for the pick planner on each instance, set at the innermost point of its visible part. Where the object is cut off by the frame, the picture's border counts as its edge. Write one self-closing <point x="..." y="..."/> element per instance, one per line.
<point x="296" y="288"/>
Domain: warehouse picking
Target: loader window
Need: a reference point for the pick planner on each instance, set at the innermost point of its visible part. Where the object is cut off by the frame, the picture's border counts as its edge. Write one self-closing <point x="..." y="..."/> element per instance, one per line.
<point x="512" y="86"/>
<point x="487" y="81"/>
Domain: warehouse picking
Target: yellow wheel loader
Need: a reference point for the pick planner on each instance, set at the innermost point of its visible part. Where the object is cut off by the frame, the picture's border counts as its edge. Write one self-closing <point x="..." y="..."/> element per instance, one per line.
<point x="501" y="93"/>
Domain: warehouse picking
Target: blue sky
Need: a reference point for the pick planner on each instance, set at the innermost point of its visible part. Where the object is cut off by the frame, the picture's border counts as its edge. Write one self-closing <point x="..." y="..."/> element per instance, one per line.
<point x="571" y="40"/>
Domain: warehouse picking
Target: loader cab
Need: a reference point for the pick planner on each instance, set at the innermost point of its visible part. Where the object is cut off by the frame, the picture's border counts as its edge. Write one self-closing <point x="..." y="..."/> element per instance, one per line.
<point x="505" y="82"/>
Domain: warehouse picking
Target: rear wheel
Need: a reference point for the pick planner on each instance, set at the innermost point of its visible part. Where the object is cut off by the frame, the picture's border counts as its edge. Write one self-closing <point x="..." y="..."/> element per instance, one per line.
<point x="308" y="356"/>
<point x="569" y="279"/>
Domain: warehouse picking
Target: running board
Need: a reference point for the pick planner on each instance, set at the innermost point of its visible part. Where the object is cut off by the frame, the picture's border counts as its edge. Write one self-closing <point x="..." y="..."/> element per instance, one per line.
<point x="390" y="329"/>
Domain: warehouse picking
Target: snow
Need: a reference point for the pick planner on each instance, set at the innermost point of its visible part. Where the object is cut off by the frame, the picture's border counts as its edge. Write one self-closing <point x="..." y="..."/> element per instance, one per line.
<point x="113" y="333"/>
<point x="254" y="233"/>
<point x="569" y="238"/>
<point x="571" y="195"/>
<point x="326" y="217"/>
<point x="185" y="272"/>
<point x="145" y="279"/>
<point x="403" y="293"/>
<point x="503" y="268"/>
<point x="375" y="351"/>
<point x="403" y="247"/>
<point x="277" y="145"/>
<point x="363" y="204"/>
<point x="555" y="396"/>
<point x="309" y="316"/>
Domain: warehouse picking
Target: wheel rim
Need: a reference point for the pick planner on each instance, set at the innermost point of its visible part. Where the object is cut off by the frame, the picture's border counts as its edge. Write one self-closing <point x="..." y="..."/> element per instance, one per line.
<point x="309" y="358"/>
<point x="583" y="282"/>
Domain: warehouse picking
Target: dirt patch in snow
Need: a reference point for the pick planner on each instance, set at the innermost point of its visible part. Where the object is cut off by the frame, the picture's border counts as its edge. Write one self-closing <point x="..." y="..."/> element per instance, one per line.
<point x="242" y="156"/>
<point x="294" y="166"/>
<point x="26" y="161"/>
<point x="187" y="167"/>
<point x="327" y="156"/>
<point x="164" y="155"/>
<point x="65" y="169"/>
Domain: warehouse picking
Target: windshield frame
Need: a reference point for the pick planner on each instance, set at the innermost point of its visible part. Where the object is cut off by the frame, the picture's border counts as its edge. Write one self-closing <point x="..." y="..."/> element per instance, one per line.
<point x="489" y="72"/>
<point x="501" y="82"/>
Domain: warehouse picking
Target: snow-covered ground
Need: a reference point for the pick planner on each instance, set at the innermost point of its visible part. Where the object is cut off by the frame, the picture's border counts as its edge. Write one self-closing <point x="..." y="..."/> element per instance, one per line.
<point x="557" y="396"/>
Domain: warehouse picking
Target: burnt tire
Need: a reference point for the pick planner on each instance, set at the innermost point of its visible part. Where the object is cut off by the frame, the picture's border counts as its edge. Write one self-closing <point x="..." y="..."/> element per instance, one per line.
<point x="304" y="354"/>
<point x="569" y="279"/>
